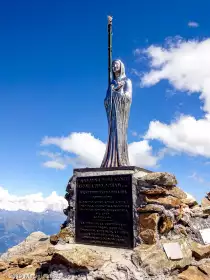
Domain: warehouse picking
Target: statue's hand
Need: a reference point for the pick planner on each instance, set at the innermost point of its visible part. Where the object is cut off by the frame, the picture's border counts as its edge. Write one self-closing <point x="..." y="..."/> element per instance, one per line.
<point x="119" y="85"/>
<point x="114" y="83"/>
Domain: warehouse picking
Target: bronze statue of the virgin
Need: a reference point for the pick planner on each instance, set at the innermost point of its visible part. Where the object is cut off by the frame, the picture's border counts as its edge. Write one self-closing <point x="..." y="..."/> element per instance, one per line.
<point x="117" y="105"/>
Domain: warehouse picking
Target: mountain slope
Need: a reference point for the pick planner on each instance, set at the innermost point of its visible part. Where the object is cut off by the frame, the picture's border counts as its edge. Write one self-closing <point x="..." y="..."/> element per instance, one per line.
<point x="15" y="226"/>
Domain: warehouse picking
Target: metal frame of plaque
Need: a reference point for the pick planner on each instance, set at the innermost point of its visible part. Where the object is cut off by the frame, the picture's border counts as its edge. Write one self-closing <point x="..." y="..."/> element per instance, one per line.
<point x="104" y="211"/>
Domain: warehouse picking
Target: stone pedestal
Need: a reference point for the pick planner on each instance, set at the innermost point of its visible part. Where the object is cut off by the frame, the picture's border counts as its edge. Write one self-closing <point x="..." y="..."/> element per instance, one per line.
<point x="103" y="206"/>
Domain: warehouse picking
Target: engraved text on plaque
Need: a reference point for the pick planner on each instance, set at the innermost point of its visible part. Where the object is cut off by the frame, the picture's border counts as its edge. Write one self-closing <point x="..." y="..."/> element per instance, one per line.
<point x="104" y="212"/>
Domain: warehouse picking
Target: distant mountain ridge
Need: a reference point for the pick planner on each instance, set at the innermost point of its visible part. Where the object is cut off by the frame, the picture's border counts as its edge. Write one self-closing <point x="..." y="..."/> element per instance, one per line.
<point x="15" y="226"/>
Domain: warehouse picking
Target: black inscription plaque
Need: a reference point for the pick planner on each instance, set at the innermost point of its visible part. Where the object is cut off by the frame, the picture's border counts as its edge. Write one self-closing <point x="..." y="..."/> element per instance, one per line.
<point x="104" y="212"/>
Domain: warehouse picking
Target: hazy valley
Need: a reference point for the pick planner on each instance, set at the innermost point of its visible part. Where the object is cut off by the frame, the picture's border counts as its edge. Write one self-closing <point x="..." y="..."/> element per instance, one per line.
<point x="15" y="226"/>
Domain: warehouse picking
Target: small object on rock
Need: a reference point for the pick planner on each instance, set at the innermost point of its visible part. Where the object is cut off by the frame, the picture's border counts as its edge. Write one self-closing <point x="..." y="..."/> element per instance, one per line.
<point x="3" y="266"/>
<point x="23" y="262"/>
<point x="173" y="251"/>
<point x="160" y="179"/>
<point x="205" y="233"/>
<point x="54" y="239"/>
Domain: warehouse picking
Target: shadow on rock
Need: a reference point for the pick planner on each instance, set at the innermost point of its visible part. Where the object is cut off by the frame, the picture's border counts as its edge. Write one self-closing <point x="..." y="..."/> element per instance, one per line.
<point x="43" y="272"/>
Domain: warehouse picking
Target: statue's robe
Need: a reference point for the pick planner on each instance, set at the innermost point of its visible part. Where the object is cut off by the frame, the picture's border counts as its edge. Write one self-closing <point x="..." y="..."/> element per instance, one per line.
<point x="117" y="104"/>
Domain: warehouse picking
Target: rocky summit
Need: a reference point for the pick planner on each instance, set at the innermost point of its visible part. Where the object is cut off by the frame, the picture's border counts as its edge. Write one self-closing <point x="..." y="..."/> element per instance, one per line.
<point x="173" y="243"/>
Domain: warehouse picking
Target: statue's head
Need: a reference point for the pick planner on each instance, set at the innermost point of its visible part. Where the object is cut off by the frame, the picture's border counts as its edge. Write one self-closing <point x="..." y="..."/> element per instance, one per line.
<point x="118" y="69"/>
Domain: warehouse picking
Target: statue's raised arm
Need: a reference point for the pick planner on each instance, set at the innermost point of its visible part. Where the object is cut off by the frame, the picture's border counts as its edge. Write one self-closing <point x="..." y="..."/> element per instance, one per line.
<point x="117" y="105"/>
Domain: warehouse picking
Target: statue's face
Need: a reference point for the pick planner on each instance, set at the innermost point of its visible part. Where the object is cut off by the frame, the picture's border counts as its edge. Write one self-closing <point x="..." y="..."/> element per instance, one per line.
<point x="116" y="66"/>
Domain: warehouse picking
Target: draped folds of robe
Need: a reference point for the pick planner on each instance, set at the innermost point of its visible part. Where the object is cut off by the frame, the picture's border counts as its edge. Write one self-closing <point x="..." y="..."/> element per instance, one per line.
<point x="117" y="105"/>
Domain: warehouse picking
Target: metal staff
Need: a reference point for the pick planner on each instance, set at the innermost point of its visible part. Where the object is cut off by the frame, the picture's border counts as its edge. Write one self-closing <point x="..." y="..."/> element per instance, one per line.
<point x="110" y="67"/>
<point x="109" y="50"/>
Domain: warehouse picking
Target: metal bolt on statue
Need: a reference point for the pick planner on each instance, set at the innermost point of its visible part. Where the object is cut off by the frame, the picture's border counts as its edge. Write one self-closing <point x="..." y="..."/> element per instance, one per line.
<point x="117" y="104"/>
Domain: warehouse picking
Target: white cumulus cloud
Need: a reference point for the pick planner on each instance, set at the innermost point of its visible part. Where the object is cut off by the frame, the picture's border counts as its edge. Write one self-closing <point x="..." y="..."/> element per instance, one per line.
<point x="186" y="66"/>
<point x="32" y="202"/>
<point x="184" y="135"/>
<point x="54" y="164"/>
<point x="88" y="151"/>
<point x="140" y="154"/>
<point x="56" y="160"/>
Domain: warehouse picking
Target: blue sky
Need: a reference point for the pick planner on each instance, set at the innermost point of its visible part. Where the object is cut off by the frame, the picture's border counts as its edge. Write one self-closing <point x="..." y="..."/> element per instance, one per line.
<point x="53" y="79"/>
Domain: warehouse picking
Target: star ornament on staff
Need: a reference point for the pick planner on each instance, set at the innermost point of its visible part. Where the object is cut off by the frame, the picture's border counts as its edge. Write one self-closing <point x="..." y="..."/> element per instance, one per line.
<point x="110" y="19"/>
